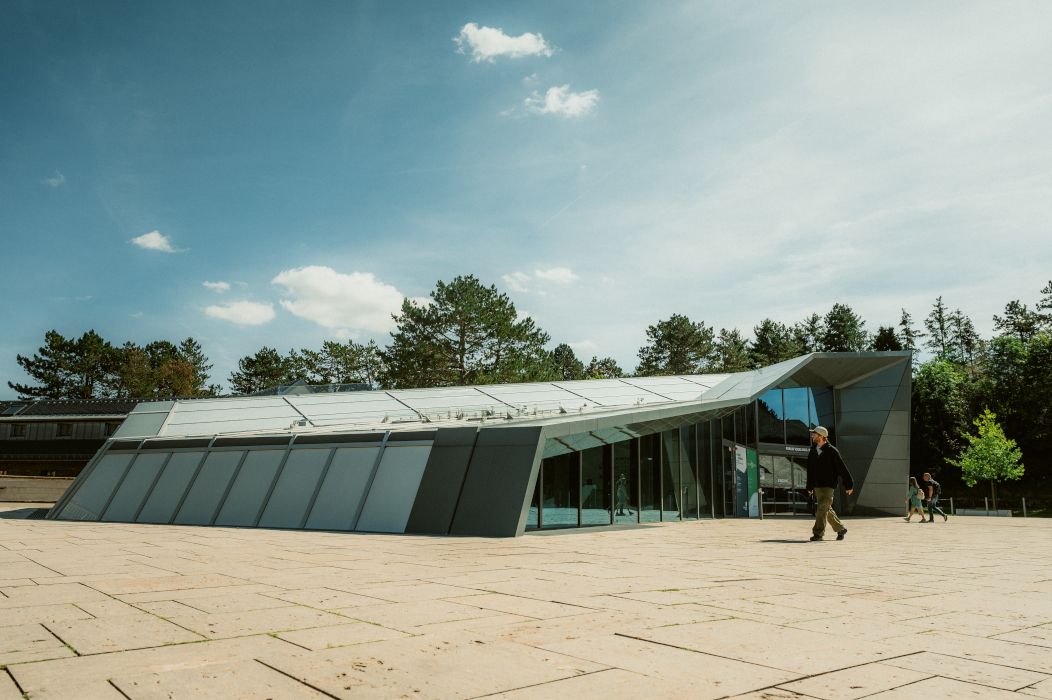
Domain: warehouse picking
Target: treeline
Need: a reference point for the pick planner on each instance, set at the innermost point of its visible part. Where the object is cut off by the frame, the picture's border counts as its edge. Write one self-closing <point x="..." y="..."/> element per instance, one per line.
<point x="470" y="333"/>
<point x="90" y="367"/>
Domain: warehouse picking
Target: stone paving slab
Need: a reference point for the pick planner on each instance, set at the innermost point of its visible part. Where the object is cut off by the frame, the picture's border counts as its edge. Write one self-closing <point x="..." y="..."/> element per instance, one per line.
<point x="703" y="610"/>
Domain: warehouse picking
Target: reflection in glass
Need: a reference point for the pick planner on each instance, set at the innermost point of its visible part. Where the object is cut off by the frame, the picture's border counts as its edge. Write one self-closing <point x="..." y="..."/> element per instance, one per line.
<point x="688" y="468"/>
<point x="706" y="504"/>
<point x="208" y="488"/>
<point x="532" y="522"/>
<point x="650" y="478"/>
<point x="125" y="503"/>
<point x="769" y="406"/>
<point x="562" y="494"/>
<point x="796" y="416"/>
<point x="251" y="484"/>
<point x="626" y="482"/>
<point x="595" y="486"/>
<point x="165" y="497"/>
<point x="671" y="482"/>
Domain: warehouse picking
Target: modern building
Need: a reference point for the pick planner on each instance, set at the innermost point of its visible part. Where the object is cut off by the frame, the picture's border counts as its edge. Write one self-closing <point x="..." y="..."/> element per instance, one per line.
<point x="501" y="460"/>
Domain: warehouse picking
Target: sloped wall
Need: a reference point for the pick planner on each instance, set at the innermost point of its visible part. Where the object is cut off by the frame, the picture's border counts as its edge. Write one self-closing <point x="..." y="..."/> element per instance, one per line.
<point x="873" y="435"/>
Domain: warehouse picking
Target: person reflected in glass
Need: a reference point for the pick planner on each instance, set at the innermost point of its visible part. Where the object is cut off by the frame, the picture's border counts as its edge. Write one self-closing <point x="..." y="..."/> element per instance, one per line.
<point x="622" y="495"/>
<point x="913" y="501"/>
<point x="826" y="469"/>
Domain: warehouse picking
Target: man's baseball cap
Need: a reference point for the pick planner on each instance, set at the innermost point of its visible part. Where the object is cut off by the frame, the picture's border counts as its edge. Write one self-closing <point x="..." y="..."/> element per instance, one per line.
<point x="820" y="430"/>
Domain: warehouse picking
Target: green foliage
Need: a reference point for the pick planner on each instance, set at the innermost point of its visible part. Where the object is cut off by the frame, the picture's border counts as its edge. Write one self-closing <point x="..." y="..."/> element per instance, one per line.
<point x="731" y="352"/>
<point x="467" y="334"/>
<point x="938" y="325"/>
<point x="1019" y="321"/>
<point x="91" y="367"/>
<point x="843" y="330"/>
<point x="886" y="339"/>
<point x="605" y="368"/>
<point x="989" y="455"/>
<point x="264" y="369"/>
<point x="567" y="366"/>
<point x="807" y="335"/>
<point x="908" y="335"/>
<point x="941" y="409"/>
<point x="676" y="345"/>
<point x="773" y="342"/>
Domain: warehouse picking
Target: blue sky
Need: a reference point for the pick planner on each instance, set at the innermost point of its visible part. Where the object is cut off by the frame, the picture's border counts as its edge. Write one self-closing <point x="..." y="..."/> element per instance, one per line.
<point x="607" y="164"/>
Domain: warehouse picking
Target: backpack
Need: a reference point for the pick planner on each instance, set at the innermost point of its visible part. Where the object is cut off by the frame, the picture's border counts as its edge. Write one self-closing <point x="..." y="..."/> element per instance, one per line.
<point x="936" y="488"/>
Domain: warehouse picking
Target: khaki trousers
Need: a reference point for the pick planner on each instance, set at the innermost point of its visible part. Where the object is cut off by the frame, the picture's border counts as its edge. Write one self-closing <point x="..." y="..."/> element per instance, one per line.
<point x="824" y="512"/>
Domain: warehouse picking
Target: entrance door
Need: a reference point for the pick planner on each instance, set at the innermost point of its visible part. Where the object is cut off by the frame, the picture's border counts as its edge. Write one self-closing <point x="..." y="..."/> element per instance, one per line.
<point x="784" y="483"/>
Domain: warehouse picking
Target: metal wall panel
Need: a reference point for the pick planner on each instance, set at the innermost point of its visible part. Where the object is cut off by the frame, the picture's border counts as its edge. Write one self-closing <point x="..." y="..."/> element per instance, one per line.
<point x="443" y="478"/>
<point x="394" y="488"/>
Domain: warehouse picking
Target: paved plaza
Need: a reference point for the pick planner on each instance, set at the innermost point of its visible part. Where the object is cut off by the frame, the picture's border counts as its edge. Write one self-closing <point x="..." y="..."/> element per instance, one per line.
<point x="732" y="608"/>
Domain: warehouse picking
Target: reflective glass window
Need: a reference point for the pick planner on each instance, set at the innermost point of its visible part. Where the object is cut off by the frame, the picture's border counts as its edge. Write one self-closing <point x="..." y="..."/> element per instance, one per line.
<point x="650" y="478"/>
<point x="208" y="488"/>
<point x="533" y="516"/>
<point x="165" y="497"/>
<point x="688" y="469"/>
<point x="561" y="491"/>
<point x="132" y="491"/>
<point x="740" y="430"/>
<point x="251" y="484"/>
<point x="287" y="506"/>
<point x="796" y="416"/>
<point x="393" y="491"/>
<point x="672" y="495"/>
<point x="704" y="434"/>
<point x="91" y="496"/>
<point x="769" y="408"/>
<point x="626" y="481"/>
<point x="343" y="488"/>
<point x="596" y="494"/>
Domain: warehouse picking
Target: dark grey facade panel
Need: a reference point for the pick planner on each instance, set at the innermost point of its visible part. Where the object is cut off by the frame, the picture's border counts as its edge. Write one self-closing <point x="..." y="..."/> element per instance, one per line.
<point x="447" y="465"/>
<point x="895" y="422"/>
<point x="496" y="491"/>
<point x="885" y="499"/>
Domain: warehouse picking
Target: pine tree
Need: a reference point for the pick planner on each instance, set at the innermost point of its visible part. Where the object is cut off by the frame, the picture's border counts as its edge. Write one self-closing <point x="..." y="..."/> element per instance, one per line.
<point x="938" y="325"/>
<point x="567" y="366"/>
<point x="807" y="334"/>
<point x="908" y="336"/>
<point x="732" y="352"/>
<point x="676" y="345"/>
<point x="773" y="342"/>
<point x="265" y="369"/>
<point x="1018" y="321"/>
<point x="886" y="339"/>
<point x="68" y="368"/>
<point x="605" y="368"/>
<point x="843" y="330"/>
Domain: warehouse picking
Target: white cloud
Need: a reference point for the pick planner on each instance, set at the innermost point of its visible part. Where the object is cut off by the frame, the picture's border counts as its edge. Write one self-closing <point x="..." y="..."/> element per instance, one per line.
<point x="560" y="275"/>
<point x="56" y="180"/>
<point x="154" y="240"/>
<point x="243" y="313"/>
<point x="340" y="301"/>
<point x="558" y="100"/>
<point x="517" y="281"/>
<point x="219" y="287"/>
<point x="487" y="43"/>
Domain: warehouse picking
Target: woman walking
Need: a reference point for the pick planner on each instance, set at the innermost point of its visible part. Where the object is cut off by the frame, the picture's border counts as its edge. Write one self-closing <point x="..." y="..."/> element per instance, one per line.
<point x="913" y="502"/>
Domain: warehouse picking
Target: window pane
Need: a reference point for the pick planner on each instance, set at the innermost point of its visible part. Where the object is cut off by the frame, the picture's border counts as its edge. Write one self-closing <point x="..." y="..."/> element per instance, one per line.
<point x="200" y="505"/>
<point x="650" y="478"/>
<point x="705" y="470"/>
<point x="89" y="500"/>
<point x="391" y="497"/>
<point x="343" y="488"/>
<point x="688" y="467"/>
<point x="770" y="410"/>
<point x="561" y="490"/>
<point x="671" y="483"/>
<point x="134" y="487"/>
<point x="626" y="482"/>
<point x="288" y="504"/>
<point x="796" y="418"/>
<point x="170" y="487"/>
<point x="250" y="488"/>
<point x="595" y="486"/>
<point x="532" y="522"/>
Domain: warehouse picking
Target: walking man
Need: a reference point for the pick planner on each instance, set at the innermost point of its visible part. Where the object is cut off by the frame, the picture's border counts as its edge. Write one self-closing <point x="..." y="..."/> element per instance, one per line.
<point x="825" y="468"/>
<point x="934" y="490"/>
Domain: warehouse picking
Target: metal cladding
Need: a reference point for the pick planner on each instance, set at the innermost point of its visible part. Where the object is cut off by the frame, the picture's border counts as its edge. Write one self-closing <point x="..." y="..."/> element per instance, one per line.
<point x="455" y="460"/>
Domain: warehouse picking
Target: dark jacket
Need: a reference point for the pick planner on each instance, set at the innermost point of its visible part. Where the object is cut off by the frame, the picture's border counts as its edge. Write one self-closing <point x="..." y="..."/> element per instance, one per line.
<point x="825" y="469"/>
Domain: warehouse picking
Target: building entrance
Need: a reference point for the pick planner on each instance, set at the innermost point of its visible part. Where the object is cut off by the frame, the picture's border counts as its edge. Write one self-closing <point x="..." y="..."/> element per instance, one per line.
<point x="783" y="480"/>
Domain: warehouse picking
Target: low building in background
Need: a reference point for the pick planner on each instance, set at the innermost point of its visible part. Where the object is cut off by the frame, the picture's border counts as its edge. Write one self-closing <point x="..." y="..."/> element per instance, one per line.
<point x="500" y="460"/>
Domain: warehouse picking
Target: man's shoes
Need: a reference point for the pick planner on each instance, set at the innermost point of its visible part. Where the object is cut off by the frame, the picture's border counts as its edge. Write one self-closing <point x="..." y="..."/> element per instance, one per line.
<point x="816" y="538"/>
<point x="944" y="518"/>
<point x="840" y="535"/>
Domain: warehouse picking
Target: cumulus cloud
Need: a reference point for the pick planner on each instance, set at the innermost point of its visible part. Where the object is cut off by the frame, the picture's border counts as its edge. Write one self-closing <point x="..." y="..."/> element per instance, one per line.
<point x="525" y="282"/>
<point x="219" y="287"/>
<point x="339" y="301"/>
<point x="243" y="313"/>
<point x="154" y="240"/>
<point x="487" y="43"/>
<point x="560" y="101"/>
<point x="56" y="180"/>
<point x="560" y="275"/>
